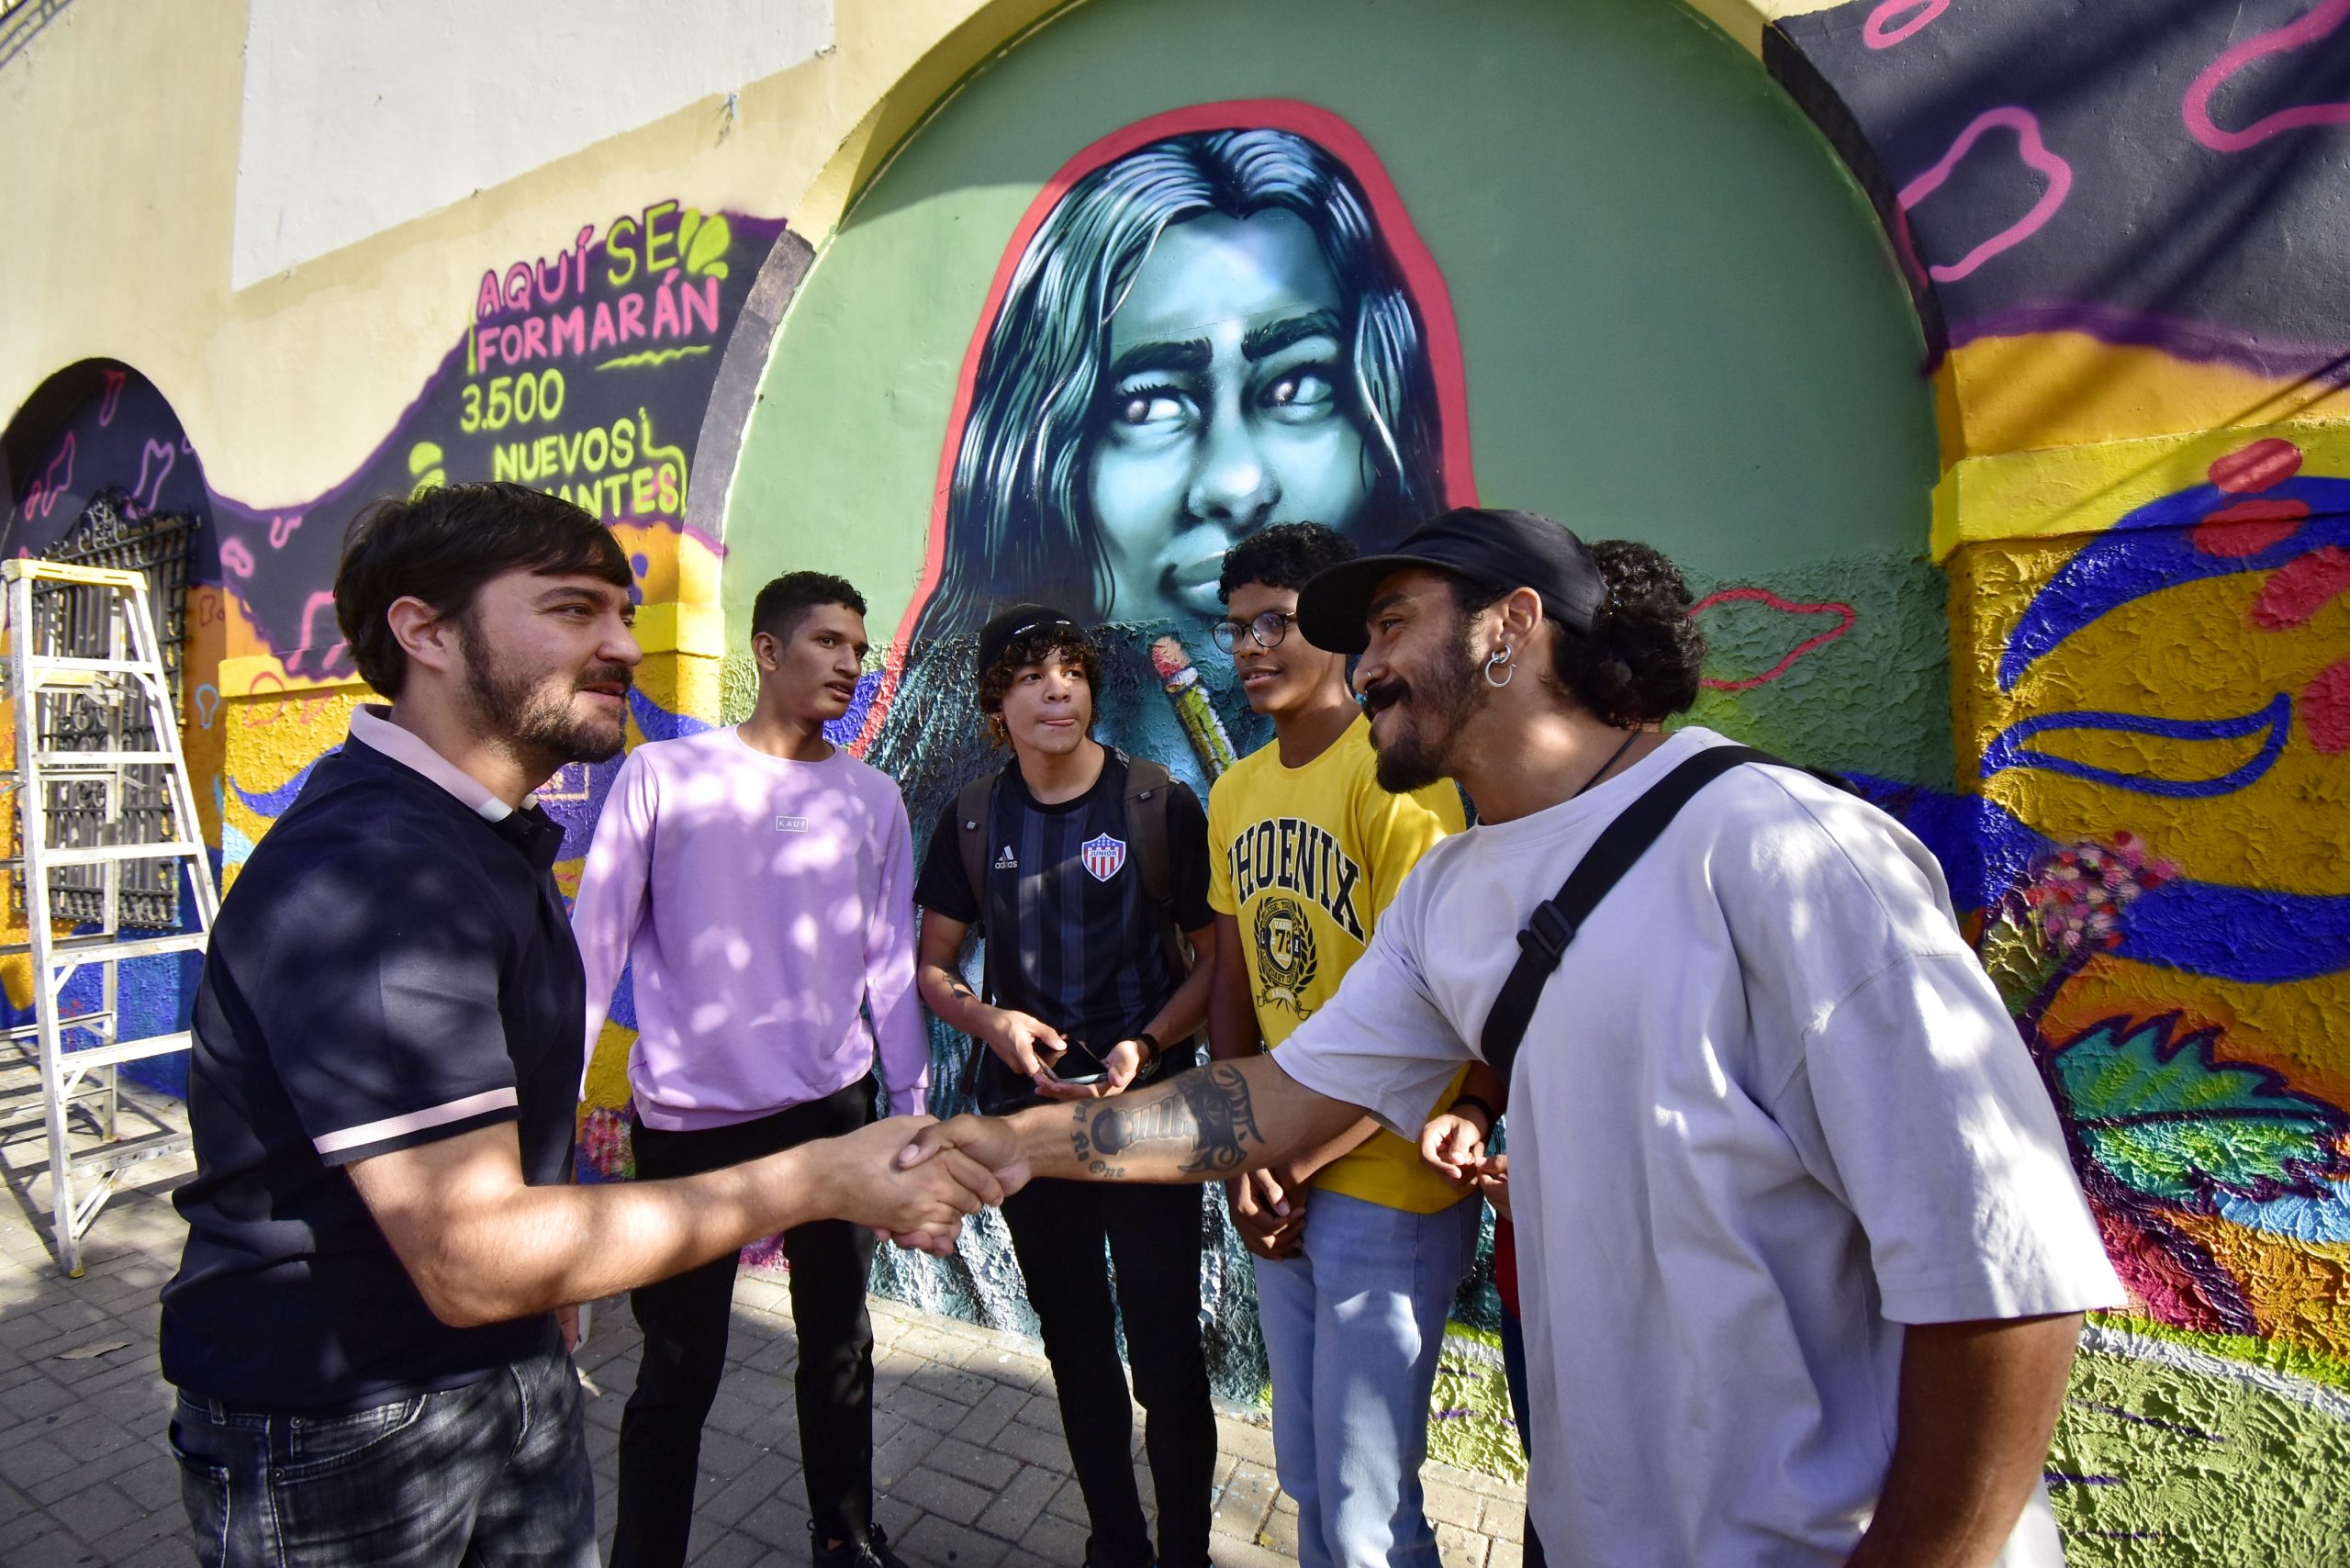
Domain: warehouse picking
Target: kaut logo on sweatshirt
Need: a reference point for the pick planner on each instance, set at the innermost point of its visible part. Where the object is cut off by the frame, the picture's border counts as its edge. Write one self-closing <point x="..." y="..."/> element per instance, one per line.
<point x="1297" y="857"/>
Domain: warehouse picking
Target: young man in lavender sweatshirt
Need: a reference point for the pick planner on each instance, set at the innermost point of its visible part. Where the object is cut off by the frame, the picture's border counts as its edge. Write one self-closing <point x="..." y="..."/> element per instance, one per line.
<point x="759" y="881"/>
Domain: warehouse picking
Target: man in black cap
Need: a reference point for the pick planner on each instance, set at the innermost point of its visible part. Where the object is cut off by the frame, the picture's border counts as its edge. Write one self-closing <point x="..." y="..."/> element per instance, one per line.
<point x="1803" y="1257"/>
<point x="1087" y="871"/>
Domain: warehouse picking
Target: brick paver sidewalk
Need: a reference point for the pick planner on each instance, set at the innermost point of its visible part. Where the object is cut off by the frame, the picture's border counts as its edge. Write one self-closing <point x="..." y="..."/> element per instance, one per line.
<point x="969" y="1464"/>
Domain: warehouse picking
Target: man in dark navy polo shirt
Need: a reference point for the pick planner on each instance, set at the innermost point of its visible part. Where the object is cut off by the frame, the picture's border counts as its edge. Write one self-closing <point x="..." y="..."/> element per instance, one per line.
<point x="388" y="1050"/>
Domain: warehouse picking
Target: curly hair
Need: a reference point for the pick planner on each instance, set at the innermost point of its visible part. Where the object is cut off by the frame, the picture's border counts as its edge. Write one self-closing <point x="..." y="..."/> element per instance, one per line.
<point x="1073" y="647"/>
<point x="1283" y="556"/>
<point x="1638" y="663"/>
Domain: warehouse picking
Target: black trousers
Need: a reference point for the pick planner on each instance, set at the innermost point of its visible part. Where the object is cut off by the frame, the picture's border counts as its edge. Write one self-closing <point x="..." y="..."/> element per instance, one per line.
<point x="685" y="1320"/>
<point x="1059" y="1230"/>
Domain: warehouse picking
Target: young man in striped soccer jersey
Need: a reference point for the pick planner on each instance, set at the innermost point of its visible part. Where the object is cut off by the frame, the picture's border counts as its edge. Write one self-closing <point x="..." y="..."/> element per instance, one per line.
<point x="1359" y="1245"/>
<point x="1080" y="864"/>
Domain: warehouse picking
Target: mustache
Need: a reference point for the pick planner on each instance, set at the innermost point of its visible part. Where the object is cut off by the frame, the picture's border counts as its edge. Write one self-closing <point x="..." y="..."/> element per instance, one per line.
<point x="1383" y="694"/>
<point x="621" y="675"/>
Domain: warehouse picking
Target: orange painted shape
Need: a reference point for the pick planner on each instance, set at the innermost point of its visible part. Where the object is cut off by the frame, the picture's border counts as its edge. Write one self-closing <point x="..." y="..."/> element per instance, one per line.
<point x="2299" y="1291"/>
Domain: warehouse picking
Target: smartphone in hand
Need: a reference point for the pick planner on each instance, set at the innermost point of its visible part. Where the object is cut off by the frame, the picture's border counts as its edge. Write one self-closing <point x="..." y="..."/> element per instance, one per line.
<point x="1079" y="1065"/>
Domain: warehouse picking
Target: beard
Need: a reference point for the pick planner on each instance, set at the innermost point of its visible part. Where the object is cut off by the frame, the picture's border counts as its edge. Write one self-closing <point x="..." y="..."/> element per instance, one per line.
<point x="532" y="713"/>
<point x="1418" y="751"/>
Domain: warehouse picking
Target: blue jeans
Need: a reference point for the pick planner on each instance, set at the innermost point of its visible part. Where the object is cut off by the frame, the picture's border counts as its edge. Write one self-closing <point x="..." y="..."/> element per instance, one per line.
<point x="494" y="1472"/>
<point x="1352" y="1326"/>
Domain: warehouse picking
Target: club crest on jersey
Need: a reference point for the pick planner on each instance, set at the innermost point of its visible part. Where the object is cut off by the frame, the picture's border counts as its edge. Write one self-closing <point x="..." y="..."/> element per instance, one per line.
<point x="1102" y="856"/>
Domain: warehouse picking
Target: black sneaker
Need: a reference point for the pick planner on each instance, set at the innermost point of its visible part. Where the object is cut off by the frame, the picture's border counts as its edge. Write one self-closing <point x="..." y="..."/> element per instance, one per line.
<point x="871" y="1552"/>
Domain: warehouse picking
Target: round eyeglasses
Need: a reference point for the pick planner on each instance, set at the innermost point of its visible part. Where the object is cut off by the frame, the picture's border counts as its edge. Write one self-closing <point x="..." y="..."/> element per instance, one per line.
<point x="1267" y="630"/>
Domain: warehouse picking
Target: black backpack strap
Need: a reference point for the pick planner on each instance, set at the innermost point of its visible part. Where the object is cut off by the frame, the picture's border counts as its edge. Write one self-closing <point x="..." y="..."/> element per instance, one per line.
<point x="1148" y="784"/>
<point x="972" y="804"/>
<point x="1553" y="926"/>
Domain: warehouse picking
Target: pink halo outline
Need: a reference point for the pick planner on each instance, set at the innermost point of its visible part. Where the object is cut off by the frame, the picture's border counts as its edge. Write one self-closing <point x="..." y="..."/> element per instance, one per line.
<point x="1876" y="35"/>
<point x="2194" y="109"/>
<point x="1845" y="613"/>
<point x="2035" y="154"/>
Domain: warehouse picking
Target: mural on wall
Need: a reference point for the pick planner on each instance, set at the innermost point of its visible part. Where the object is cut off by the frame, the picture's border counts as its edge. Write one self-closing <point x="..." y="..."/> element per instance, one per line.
<point x="2121" y="222"/>
<point x="119" y="467"/>
<point x="1215" y="320"/>
<point x="586" y="372"/>
<point x="2159" y="728"/>
<point x="2142" y="176"/>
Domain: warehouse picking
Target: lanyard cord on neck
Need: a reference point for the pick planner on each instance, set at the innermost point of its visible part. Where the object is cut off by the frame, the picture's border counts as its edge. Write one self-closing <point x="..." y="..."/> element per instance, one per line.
<point x="1613" y="758"/>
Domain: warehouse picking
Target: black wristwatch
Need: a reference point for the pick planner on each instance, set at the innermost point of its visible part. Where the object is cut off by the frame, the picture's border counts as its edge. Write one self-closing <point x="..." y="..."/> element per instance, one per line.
<point x="1150" y="1042"/>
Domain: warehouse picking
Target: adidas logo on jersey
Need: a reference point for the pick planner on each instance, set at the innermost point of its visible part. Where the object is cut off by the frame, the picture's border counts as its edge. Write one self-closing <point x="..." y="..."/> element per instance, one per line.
<point x="1005" y="860"/>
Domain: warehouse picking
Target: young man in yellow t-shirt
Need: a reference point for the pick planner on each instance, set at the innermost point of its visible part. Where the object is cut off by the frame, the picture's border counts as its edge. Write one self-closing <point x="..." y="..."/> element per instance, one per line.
<point x="1358" y="1247"/>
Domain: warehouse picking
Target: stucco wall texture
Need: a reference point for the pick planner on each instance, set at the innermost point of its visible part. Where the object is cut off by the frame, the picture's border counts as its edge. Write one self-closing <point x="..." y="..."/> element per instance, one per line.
<point x="2007" y="453"/>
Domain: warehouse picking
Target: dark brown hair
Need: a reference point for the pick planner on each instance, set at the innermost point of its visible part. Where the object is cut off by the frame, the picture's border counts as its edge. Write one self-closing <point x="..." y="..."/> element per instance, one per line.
<point x="441" y="546"/>
<point x="784" y="603"/>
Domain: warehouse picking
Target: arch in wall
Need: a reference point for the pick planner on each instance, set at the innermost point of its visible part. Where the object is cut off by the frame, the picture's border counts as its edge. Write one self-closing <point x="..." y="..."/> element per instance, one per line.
<point x="1676" y="406"/>
<point x="101" y="469"/>
<point x="99" y="428"/>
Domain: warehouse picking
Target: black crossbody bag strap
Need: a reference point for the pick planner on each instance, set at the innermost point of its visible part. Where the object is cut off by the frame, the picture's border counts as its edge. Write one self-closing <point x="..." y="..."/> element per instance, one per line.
<point x="1553" y="926"/>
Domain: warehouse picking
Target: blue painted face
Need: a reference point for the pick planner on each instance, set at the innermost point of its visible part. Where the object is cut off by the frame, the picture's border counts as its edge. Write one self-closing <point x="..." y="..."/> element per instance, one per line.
<point x="1224" y="410"/>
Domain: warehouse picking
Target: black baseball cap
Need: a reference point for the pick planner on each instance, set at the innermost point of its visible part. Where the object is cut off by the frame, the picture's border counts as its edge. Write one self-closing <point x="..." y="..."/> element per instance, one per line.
<point x="1016" y="622"/>
<point x="1499" y="550"/>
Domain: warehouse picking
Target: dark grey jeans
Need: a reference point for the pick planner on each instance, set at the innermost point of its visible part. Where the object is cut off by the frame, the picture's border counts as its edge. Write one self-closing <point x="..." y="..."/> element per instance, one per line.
<point x="492" y="1474"/>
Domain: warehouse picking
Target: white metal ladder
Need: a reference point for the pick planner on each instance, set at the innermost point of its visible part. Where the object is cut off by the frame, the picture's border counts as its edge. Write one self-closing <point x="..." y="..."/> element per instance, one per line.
<point x="77" y="1053"/>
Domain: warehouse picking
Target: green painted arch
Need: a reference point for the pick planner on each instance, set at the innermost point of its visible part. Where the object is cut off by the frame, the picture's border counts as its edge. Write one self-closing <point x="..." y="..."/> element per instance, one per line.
<point x="1679" y="319"/>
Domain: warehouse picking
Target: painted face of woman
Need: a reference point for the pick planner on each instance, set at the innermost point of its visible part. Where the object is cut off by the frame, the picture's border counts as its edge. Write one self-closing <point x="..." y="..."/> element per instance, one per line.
<point x="1225" y="409"/>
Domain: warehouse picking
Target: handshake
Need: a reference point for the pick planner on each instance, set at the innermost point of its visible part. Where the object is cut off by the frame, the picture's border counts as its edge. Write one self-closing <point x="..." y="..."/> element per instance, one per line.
<point x="913" y="1179"/>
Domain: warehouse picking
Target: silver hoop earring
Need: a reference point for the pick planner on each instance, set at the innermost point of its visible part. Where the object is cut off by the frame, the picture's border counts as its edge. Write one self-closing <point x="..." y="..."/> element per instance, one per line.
<point x="1499" y="658"/>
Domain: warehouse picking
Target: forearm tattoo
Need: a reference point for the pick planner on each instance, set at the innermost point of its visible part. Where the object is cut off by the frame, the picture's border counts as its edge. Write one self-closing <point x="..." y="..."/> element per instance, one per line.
<point x="1207" y="1110"/>
<point x="958" y="986"/>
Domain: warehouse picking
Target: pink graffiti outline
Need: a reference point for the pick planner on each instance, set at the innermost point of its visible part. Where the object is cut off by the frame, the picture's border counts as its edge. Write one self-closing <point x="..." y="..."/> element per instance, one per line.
<point x="147" y="453"/>
<point x="281" y="529"/>
<point x="2196" y="107"/>
<point x="2036" y="155"/>
<point x="236" y="557"/>
<point x="317" y="601"/>
<point x="1876" y="35"/>
<point x="116" y="381"/>
<point x="40" y="495"/>
<point x="1844" y="613"/>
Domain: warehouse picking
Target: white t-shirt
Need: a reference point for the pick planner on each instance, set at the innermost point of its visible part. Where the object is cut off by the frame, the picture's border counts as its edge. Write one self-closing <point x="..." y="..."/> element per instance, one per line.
<point x="1769" y="1109"/>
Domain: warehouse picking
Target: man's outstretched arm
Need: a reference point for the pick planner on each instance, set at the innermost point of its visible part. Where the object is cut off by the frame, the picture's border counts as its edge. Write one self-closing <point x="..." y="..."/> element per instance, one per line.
<point x="483" y="1246"/>
<point x="1202" y="1126"/>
